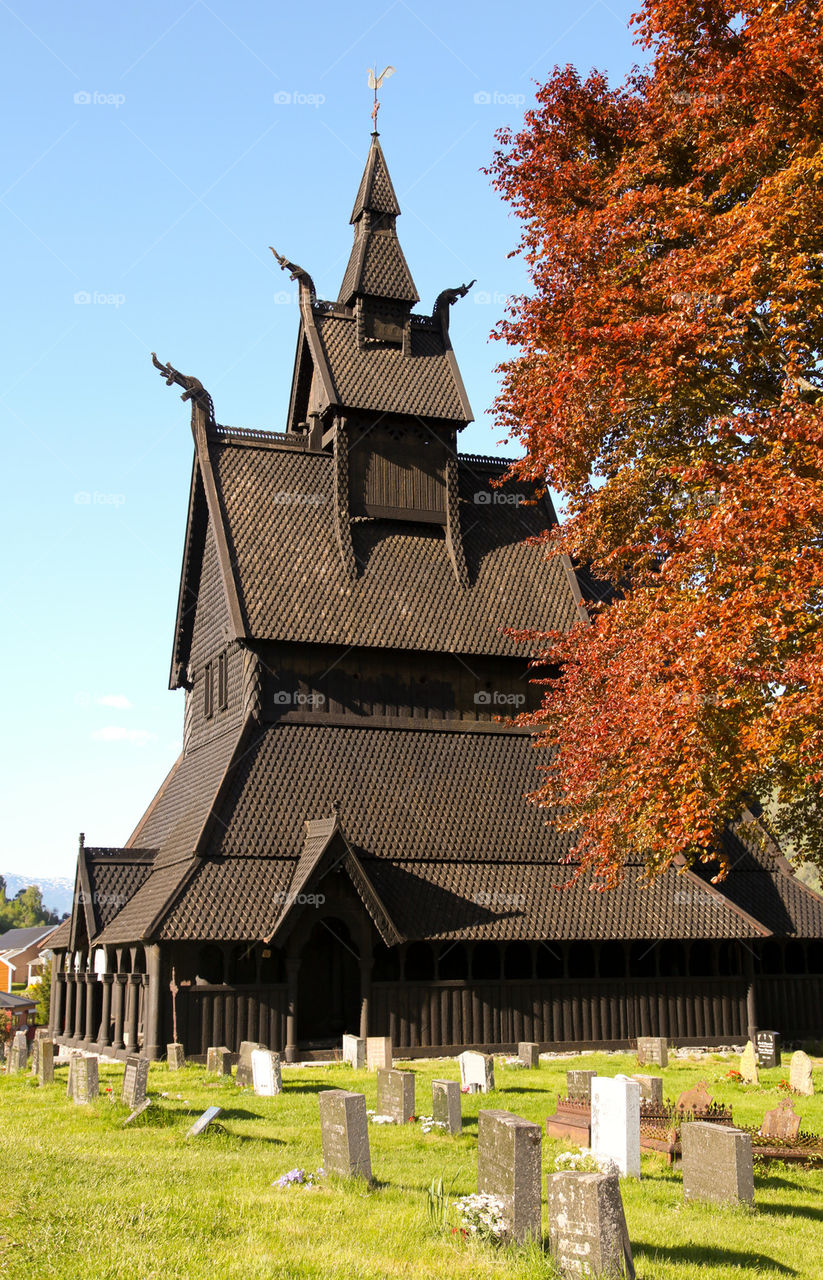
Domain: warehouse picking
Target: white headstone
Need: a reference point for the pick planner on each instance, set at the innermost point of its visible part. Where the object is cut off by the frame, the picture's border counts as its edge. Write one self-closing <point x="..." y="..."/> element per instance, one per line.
<point x="476" y="1069"/>
<point x="616" y="1122"/>
<point x="265" y="1070"/>
<point x="379" y="1052"/>
<point x="354" y="1052"/>
<point x="748" y="1065"/>
<point x="800" y="1073"/>
<point x="204" y="1121"/>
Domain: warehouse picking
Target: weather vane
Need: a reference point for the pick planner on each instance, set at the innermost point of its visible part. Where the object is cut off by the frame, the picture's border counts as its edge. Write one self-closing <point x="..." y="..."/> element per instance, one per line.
<point x="375" y="82"/>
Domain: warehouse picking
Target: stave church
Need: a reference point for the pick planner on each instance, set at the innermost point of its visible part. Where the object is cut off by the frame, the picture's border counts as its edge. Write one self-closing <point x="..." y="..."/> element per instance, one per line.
<point x="343" y="843"/>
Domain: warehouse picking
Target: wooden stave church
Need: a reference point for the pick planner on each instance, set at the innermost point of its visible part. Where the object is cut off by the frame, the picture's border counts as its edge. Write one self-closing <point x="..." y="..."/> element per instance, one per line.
<point x="343" y="843"/>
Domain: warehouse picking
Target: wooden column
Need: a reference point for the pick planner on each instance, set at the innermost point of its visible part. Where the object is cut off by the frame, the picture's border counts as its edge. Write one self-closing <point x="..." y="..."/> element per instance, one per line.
<point x="79" y="1003"/>
<point x="292" y="970"/>
<point x="135" y="980"/>
<point x="58" y="994"/>
<point x="91" y="984"/>
<point x="69" y="1009"/>
<point x="104" y="1033"/>
<point x="365" y="994"/>
<point x="120" y="980"/>
<point x="151" y="1016"/>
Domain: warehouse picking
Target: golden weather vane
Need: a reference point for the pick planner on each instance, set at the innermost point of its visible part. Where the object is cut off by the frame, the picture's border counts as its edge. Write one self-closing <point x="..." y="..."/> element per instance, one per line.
<point x="375" y="82"/>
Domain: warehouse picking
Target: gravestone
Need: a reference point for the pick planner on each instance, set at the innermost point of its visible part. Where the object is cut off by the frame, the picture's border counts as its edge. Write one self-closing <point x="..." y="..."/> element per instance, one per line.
<point x="135" y="1079"/>
<point x="344" y="1133"/>
<point x="616" y="1122"/>
<point x="446" y="1105"/>
<point x="379" y="1052"/>
<point x="694" y="1101"/>
<point x="652" y="1050"/>
<point x="45" y="1062"/>
<point x="651" y="1088"/>
<point x="85" y="1083"/>
<point x="395" y="1095"/>
<point x="218" y="1061"/>
<point x="508" y="1166"/>
<point x="35" y="1056"/>
<point x="354" y="1052"/>
<point x="138" y="1111"/>
<point x="529" y="1054"/>
<point x="204" y="1121"/>
<point x="782" y="1123"/>
<point x="70" y="1081"/>
<point x="800" y="1073"/>
<point x="767" y="1049"/>
<point x="587" y="1225"/>
<point x="244" y="1075"/>
<point x="175" y="1056"/>
<point x="476" y="1069"/>
<point x="579" y="1085"/>
<point x="748" y="1065"/>
<point x="265" y="1071"/>
<point x="717" y="1163"/>
<point x="18" y="1053"/>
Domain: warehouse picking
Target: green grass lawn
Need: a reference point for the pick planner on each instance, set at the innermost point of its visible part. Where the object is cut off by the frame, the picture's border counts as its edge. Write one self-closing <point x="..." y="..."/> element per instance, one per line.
<point x="83" y="1197"/>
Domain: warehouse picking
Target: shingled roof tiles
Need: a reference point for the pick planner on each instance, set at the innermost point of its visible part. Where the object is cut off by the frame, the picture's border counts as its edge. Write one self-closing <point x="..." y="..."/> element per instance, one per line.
<point x="376" y="191"/>
<point x="386" y="380"/>
<point x="229" y="899"/>
<point x="137" y="917"/>
<point x="114" y="882"/>
<point x="293" y="586"/>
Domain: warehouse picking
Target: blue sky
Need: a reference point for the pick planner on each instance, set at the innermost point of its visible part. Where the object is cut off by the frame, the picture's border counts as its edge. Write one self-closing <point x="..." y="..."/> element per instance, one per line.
<point x="151" y="154"/>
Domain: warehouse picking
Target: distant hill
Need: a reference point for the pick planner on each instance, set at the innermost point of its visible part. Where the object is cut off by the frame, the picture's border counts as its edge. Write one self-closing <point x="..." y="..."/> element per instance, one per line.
<point x="57" y="893"/>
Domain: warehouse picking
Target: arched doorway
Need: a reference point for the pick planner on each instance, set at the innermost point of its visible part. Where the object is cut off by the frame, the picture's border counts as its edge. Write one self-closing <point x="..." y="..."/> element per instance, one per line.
<point x="328" y="991"/>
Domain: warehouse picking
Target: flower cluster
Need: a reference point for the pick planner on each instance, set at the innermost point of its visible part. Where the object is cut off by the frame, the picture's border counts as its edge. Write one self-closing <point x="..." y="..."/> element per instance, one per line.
<point x="300" y="1178"/>
<point x="427" y="1123"/>
<point x="577" y="1162"/>
<point x="374" y="1118"/>
<point x="481" y="1215"/>
<point x="512" y="1063"/>
<point x="785" y="1087"/>
<point x="735" y="1076"/>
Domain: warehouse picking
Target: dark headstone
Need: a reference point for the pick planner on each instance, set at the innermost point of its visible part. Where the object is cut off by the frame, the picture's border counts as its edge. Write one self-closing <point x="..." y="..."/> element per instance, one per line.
<point x="85" y="1083"/>
<point x="508" y="1166"/>
<point x="529" y="1054"/>
<point x="579" y="1085"/>
<point x="244" y="1074"/>
<point x="446" y="1105"/>
<point x="175" y="1056"/>
<point x="653" y="1050"/>
<point x="135" y="1080"/>
<point x="717" y="1163"/>
<point x="767" y="1048"/>
<point x="587" y="1225"/>
<point x="344" y="1132"/>
<point x="218" y="1061"/>
<point x="45" y="1061"/>
<point x="782" y="1123"/>
<point x="395" y="1095"/>
<point x="204" y="1121"/>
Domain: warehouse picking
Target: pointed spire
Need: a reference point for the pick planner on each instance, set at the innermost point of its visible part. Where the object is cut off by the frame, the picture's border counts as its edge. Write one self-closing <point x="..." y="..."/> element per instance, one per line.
<point x="375" y="192"/>
<point x="377" y="268"/>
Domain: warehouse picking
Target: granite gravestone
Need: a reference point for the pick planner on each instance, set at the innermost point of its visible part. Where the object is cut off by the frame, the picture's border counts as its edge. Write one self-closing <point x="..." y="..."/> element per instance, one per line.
<point x="651" y="1088"/>
<point x="354" y="1052"/>
<point x="395" y="1095"/>
<point x="265" y="1071"/>
<point x="476" y="1071"/>
<point x="204" y="1121"/>
<point x="45" y="1062"/>
<point x="579" y="1085"/>
<point x="379" y="1052"/>
<point x="175" y="1056"/>
<point x="446" y="1105"/>
<point x="616" y="1122"/>
<point x="587" y="1225"/>
<point x="70" y="1081"/>
<point x="135" y="1080"/>
<point x="344" y="1133"/>
<point x="18" y="1053"/>
<point x="717" y="1163"/>
<point x="508" y="1166"/>
<point x="218" y="1061"/>
<point x="244" y="1075"/>
<point x="35" y="1056"/>
<point x="529" y="1054"/>
<point x="782" y="1123"/>
<point x="652" y="1050"/>
<point x="748" y="1065"/>
<point x="85" y="1083"/>
<point x="800" y="1074"/>
<point x="767" y="1049"/>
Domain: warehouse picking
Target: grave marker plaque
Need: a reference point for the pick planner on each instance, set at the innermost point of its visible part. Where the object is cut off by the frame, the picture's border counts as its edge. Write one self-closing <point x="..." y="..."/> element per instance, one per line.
<point x="354" y="1052"/>
<point x="85" y="1083"/>
<point x="767" y="1049"/>
<point x="45" y="1062"/>
<point x="265" y="1070"/>
<point x="529" y="1054"/>
<point x="652" y="1050"/>
<point x="175" y="1056"/>
<point x="395" y="1095"/>
<point x="508" y="1166"/>
<point x="344" y="1132"/>
<point x="717" y="1163"/>
<point x="218" y="1061"/>
<point x="379" y="1052"/>
<point x="476" y="1069"/>
<point x="135" y="1079"/>
<point x="204" y="1121"/>
<point x="616" y="1122"/>
<point x="587" y="1225"/>
<point x="446" y="1105"/>
<point x="244" y="1074"/>
<point x="800" y="1074"/>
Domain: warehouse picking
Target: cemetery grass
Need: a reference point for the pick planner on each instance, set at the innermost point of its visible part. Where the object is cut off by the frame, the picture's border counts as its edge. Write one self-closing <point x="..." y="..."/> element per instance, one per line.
<point x="83" y="1196"/>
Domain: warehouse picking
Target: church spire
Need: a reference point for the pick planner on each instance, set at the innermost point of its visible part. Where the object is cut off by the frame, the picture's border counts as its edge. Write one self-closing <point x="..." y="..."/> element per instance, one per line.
<point x="377" y="268"/>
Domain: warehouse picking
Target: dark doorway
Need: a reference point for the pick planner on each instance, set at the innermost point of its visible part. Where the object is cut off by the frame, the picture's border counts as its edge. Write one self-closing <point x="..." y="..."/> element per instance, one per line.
<point x="328" y="991"/>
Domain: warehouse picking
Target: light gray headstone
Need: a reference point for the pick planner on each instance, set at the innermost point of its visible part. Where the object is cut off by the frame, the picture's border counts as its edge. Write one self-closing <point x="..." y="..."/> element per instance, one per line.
<point x="70" y="1081"/>
<point x="508" y="1166"/>
<point x="85" y="1082"/>
<point x="748" y="1065"/>
<point x="717" y="1163"/>
<point x="651" y="1088"/>
<point x="35" y="1056"/>
<point x="18" y="1053"/>
<point x="379" y="1052"/>
<point x="135" y="1080"/>
<point x="446" y="1105"/>
<point x="800" y="1073"/>
<point x="175" y="1056"/>
<point x="354" y="1052"/>
<point x="476" y="1069"/>
<point x="244" y="1075"/>
<point x="653" y="1050"/>
<point x="265" y="1071"/>
<point x="395" y="1095"/>
<point x="529" y="1053"/>
<point x="587" y="1226"/>
<point x="218" y="1061"/>
<point x="138" y="1111"/>
<point x="344" y="1132"/>
<point x="579" y="1085"/>
<point x="204" y="1121"/>
<point x="616" y="1122"/>
<point x="45" y="1061"/>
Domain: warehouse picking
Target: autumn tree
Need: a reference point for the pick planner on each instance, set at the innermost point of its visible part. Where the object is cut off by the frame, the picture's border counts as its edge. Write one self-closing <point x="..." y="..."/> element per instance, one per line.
<point x="666" y="379"/>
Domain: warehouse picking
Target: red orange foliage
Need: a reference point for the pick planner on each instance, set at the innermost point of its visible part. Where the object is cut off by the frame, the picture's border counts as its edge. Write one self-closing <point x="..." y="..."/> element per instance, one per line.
<point x="668" y="382"/>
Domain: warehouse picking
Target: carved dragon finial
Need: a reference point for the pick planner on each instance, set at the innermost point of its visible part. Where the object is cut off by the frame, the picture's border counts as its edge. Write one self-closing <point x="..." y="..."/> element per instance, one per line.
<point x="447" y="299"/>
<point x="296" y="273"/>
<point x="193" y="388"/>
